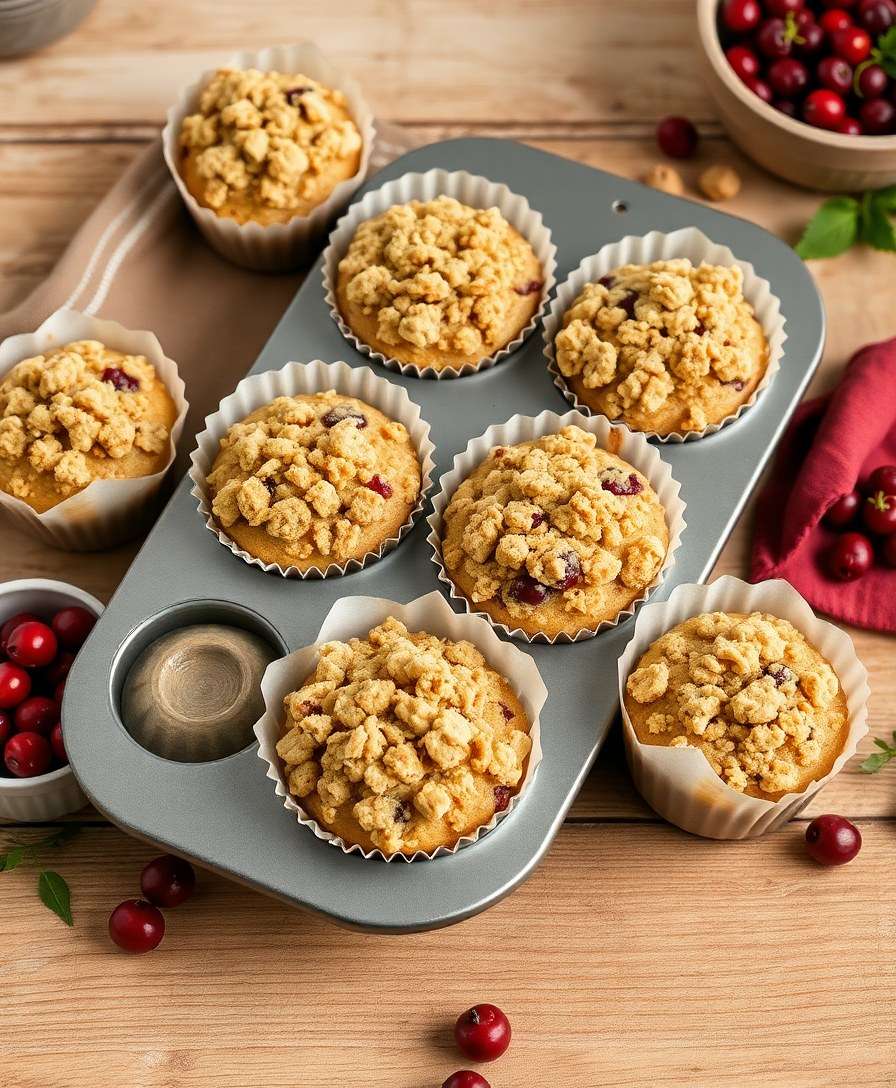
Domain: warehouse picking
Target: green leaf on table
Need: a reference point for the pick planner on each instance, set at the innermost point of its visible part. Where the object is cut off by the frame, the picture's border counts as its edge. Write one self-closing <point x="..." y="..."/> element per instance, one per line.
<point x="874" y="762"/>
<point x="877" y="227"/>
<point x="886" y="198"/>
<point x="832" y="230"/>
<point x="55" y="894"/>
<point x="12" y="859"/>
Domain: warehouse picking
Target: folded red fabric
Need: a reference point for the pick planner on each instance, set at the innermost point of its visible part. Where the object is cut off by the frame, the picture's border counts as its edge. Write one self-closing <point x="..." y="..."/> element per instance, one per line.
<point x="831" y="443"/>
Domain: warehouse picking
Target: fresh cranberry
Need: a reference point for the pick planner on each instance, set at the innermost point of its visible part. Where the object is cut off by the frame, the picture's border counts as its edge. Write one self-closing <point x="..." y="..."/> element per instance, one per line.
<point x="339" y="412"/>
<point x="741" y="15"/>
<point x="834" y="20"/>
<point x="843" y="511"/>
<point x="72" y="626"/>
<point x="788" y="107"/>
<point x="677" y="137"/>
<point x="832" y="840"/>
<point x="835" y="74"/>
<point x="760" y="88"/>
<point x="878" y="116"/>
<point x="849" y="126"/>
<point x="124" y="383"/>
<point x="782" y="7"/>
<point x="619" y="485"/>
<point x="6" y="727"/>
<point x="32" y="644"/>
<point x="12" y="623"/>
<point x="744" y="61"/>
<point x="773" y="39"/>
<point x="532" y="287"/>
<point x="838" y="4"/>
<point x="788" y="77"/>
<point x="824" y="109"/>
<point x="883" y="479"/>
<point x="877" y="16"/>
<point x="37" y="714"/>
<point x="466" y="1078"/>
<point x="888" y="550"/>
<point x="810" y="38"/>
<point x="850" y="557"/>
<point x="57" y="744"/>
<point x="573" y="573"/>
<point x="15" y="685"/>
<point x="136" y="926"/>
<point x="168" y="881"/>
<point x="879" y="513"/>
<point x="527" y="591"/>
<point x="58" y="672"/>
<point x="502" y="797"/>
<point x="27" y="755"/>
<point x="380" y="486"/>
<point x="852" y="43"/>
<point x="482" y="1033"/>
<point x="872" y="82"/>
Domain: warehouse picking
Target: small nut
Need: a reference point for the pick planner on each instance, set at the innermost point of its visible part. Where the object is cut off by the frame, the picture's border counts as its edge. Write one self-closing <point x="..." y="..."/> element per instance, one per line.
<point x="719" y="182"/>
<point x="666" y="178"/>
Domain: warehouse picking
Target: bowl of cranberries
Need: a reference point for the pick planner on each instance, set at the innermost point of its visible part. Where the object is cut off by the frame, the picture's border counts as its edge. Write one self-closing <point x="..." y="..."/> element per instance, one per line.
<point x="43" y="625"/>
<point x="807" y="88"/>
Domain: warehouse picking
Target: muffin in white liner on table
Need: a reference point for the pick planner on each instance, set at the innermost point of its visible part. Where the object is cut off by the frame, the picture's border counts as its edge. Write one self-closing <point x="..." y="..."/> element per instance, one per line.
<point x="692" y="244"/>
<point x="106" y="511"/>
<point x="631" y="448"/>
<point x="274" y="246"/>
<point x="469" y="190"/>
<point x="305" y="379"/>
<point x="354" y="617"/>
<point x="679" y="782"/>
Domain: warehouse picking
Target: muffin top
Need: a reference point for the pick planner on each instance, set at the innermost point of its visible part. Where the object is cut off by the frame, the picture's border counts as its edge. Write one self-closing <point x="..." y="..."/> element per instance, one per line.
<point x="554" y="535"/>
<point x="314" y="479"/>
<point x="750" y="692"/>
<point x="666" y="346"/>
<point x="80" y="413"/>
<point x="440" y="282"/>
<point x="267" y="145"/>
<point x="403" y="741"/>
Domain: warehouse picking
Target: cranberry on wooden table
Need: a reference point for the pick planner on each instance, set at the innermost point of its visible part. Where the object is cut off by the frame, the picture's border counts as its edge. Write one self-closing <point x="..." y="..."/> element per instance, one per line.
<point x="482" y="1033"/>
<point x="466" y="1078"/>
<point x="850" y="557"/>
<point x="832" y="840"/>
<point x="168" y="881"/>
<point x="136" y="926"/>
<point x="32" y="644"/>
<point x="15" y="685"/>
<point x="27" y="755"/>
<point x="677" y="137"/>
<point x="844" y="511"/>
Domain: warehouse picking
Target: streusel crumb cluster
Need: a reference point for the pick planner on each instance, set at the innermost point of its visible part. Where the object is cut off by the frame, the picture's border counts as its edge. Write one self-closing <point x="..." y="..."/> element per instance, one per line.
<point x="267" y="136"/>
<point x="412" y="739"/>
<point x="439" y="274"/>
<point x="317" y="473"/>
<point x="555" y="519"/>
<point x="69" y="413"/>
<point x="647" y="334"/>
<point x="750" y="692"/>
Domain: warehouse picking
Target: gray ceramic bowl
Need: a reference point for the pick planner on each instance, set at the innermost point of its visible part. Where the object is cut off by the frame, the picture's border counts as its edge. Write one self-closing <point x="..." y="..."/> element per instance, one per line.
<point x="32" y="24"/>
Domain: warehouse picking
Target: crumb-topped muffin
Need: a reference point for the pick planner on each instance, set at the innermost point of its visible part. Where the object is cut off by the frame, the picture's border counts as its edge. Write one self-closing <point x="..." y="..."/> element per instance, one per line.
<point x="314" y="479"/>
<point x="403" y="741"/>
<point x="438" y="284"/>
<point x="665" y="347"/>
<point x="80" y="413"/>
<point x="555" y="535"/>
<point x="266" y="147"/>
<point x="761" y="703"/>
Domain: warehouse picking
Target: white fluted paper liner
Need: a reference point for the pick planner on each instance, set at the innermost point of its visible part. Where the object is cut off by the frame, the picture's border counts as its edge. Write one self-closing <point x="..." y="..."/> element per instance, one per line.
<point x="277" y="246"/>
<point x="656" y="246"/>
<point x="679" y="782"/>
<point x="293" y="380"/>
<point x="106" y="511"/>
<point x="354" y="617"/>
<point x="469" y="189"/>
<point x="628" y="445"/>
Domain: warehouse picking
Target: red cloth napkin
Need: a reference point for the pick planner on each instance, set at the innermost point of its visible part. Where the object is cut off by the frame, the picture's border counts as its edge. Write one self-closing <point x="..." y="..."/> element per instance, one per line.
<point x="830" y="444"/>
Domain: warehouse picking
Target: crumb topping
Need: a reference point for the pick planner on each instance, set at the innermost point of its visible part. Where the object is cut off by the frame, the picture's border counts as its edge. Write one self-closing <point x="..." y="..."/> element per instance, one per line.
<point x="750" y="692"/>
<point x="268" y="135"/>
<point x="310" y="470"/>
<point x="645" y="333"/>
<point x="555" y="516"/>
<point x="64" y="412"/>
<point x="401" y="729"/>
<point x="439" y="274"/>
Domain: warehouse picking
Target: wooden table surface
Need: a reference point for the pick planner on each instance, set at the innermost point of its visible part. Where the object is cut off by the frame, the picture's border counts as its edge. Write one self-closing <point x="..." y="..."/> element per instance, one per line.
<point x="636" y="955"/>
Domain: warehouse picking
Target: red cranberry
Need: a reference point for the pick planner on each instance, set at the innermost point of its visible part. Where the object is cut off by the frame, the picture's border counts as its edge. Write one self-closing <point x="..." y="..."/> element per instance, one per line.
<point x="380" y="486"/>
<point x="852" y="43"/>
<point x="32" y="644"/>
<point x="872" y="81"/>
<point x="741" y="15"/>
<point x="573" y="573"/>
<point x="878" y="116"/>
<point x="506" y="711"/>
<point x="339" y="412"/>
<point x="532" y="287"/>
<point x="57" y="744"/>
<point x="744" y="61"/>
<point x="782" y="7"/>
<point x="27" y="755"/>
<point x="72" y="626"/>
<point x="136" y="926"/>
<point x="6" y="728"/>
<point x="883" y="479"/>
<point x="124" y="383"/>
<point x="843" y="511"/>
<point x="850" y="557"/>
<point x="502" y="797"/>
<point x="59" y="670"/>
<point x="12" y="623"/>
<point x="849" y="126"/>
<point x="15" y="685"/>
<point x="788" y="107"/>
<point x="482" y="1033"/>
<point x="760" y="88"/>
<point x="834" y="20"/>
<point x="839" y="4"/>
<point x="835" y="74"/>
<point x="832" y="840"/>
<point x="879" y="513"/>
<point x="168" y="881"/>
<point x="538" y="518"/>
<point x="466" y="1078"/>
<point x="824" y="109"/>
<point x="877" y="16"/>
<point x="617" y="484"/>
<point x="788" y="77"/>
<point x="780" y="674"/>
<point x="773" y="39"/>
<point x="677" y="137"/>
<point x="527" y="591"/>
<point x="59" y="691"/>
<point x="37" y="714"/>
<point x="810" y="39"/>
<point x="888" y="550"/>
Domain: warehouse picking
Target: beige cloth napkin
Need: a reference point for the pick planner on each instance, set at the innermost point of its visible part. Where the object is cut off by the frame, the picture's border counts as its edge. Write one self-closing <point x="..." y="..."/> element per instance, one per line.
<point x="139" y="260"/>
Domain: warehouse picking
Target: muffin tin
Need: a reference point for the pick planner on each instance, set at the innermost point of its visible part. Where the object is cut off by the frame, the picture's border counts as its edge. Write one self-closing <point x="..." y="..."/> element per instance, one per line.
<point x="223" y="813"/>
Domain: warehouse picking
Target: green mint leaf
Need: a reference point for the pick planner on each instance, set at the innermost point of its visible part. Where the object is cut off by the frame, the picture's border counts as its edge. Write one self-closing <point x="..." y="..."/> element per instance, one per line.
<point x="885" y="53"/>
<point x="832" y="230"/>
<point x="882" y="744"/>
<point x="877" y="229"/>
<point x="55" y="894"/>
<point x="13" y="859"/>
<point x="874" y="762"/>
<point x="886" y="198"/>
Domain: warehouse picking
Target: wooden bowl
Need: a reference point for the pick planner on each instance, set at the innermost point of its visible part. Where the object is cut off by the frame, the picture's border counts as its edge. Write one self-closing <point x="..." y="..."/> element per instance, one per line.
<point x="791" y="149"/>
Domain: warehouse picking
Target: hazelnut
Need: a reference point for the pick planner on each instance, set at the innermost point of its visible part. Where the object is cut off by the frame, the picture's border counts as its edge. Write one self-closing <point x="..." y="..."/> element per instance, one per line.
<point x="719" y="182"/>
<point x="666" y="178"/>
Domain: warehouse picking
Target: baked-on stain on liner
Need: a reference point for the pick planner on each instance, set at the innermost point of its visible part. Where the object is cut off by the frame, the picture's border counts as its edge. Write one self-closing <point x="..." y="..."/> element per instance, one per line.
<point x="299" y="379"/>
<point x="691" y="243"/>
<point x="629" y="445"/>
<point x="354" y="617"/>
<point x="469" y="189"/>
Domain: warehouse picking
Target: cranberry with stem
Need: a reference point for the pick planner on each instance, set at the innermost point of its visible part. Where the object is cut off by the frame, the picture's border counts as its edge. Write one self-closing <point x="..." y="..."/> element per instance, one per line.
<point x="883" y="479"/>
<point x="168" y="881"/>
<point x="37" y="714"/>
<point x="743" y="61"/>
<point x="15" y="685"/>
<point x="879" y="513"/>
<point x="466" y="1078"/>
<point x="850" y="557"/>
<point x="741" y="15"/>
<point x="32" y="645"/>
<point x="809" y="40"/>
<point x="57" y="744"/>
<point x="27" y="755"/>
<point x="774" y="39"/>
<point x="843" y="511"/>
<point x="482" y="1033"/>
<point x="832" y="840"/>
<point x="71" y="626"/>
<point x="677" y="137"/>
<point x="136" y="926"/>
<point x="824" y="109"/>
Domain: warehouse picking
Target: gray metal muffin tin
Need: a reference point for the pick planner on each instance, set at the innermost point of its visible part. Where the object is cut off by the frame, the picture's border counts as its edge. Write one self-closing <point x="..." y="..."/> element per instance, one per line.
<point x="224" y="814"/>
